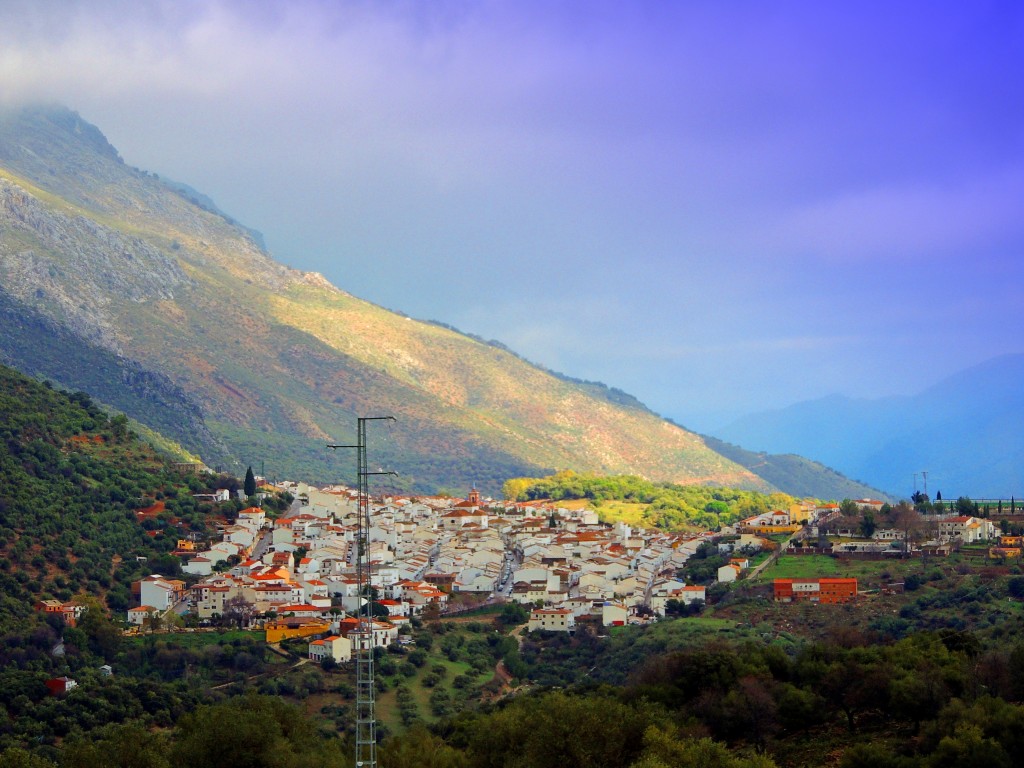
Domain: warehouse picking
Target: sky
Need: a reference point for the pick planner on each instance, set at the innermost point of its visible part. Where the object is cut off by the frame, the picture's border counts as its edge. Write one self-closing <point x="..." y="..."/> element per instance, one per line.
<point x="717" y="207"/>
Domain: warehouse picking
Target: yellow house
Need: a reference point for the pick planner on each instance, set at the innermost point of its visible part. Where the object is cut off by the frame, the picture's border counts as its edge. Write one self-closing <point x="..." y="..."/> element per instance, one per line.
<point x="800" y="512"/>
<point x="280" y="630"/>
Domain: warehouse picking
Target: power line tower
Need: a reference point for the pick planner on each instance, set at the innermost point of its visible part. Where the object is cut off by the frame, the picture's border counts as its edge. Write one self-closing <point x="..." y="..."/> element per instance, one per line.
<point x="366" y="724"/>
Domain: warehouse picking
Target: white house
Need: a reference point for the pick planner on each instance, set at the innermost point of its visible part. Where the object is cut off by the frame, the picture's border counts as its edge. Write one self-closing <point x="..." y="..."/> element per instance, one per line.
<point x="614" y="614"/>
<point x="552" y="620"/>
<point x="334" y="647"/>
<point x="137" y="616"/>
<point x="728" y="572"/>
<point x="158" y="592"/>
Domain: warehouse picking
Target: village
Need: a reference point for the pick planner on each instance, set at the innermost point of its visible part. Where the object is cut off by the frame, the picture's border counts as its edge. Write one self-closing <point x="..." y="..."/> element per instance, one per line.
<point x="294" y="576"/>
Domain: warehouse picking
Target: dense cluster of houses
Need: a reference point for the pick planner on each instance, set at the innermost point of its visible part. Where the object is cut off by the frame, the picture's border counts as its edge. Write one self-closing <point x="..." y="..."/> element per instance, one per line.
<point x="295" y="575"/>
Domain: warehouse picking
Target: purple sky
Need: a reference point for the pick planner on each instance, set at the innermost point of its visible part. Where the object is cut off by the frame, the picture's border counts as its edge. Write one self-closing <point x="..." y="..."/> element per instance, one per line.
<point x="718" y="207"/>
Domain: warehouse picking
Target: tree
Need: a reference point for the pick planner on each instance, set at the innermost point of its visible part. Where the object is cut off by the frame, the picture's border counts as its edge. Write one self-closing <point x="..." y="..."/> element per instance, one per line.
<point x="868" y="524"/>
<point x="907" y="520"/>
<point x="966" y="507"/>
<point x="119" y="427"/>
<point x="848" y="508"/>
<point x="252" y="732"/>
<point x="118" y="746"/>
<point x="249" y="486"/>
<point x="238" y="611"/>
<point x="103" y="636"/>
<point x="14" y="757"/>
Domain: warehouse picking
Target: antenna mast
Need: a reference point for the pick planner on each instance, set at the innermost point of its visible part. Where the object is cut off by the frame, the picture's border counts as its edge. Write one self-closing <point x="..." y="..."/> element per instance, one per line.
<point x="366" y="724"/>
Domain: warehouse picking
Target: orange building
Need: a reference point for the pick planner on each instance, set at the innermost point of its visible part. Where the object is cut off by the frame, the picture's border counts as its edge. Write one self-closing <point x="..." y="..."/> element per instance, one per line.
<point x="826" y="590"/>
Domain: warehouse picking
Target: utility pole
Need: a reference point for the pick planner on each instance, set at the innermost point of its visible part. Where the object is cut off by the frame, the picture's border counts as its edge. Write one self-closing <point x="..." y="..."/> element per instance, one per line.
<point x="366" y="724"/>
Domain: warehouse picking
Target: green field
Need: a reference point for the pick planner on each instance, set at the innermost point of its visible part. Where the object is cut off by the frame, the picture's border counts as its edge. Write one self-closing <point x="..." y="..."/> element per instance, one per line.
<point x="194" y="639"/>
<point x="812" y="566"/>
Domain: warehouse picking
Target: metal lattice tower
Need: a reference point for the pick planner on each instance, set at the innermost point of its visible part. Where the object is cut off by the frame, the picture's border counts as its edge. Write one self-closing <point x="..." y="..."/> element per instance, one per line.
<point x="366" y="724"/>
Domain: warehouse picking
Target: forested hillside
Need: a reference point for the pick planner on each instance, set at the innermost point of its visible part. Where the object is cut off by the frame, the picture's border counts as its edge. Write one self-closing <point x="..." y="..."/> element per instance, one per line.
<point x="71" y="480"/>
<point x="667" y="506"/>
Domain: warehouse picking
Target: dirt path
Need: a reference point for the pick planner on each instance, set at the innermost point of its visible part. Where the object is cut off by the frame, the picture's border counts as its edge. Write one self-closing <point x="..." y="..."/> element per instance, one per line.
<point x="269" y="672"/>
<point x="501" y="673"/>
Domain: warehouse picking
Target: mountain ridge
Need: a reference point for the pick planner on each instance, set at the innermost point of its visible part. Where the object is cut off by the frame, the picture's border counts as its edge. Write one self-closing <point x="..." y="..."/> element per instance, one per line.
<point x="966" y="431"/>
<point x="279" y="361"/>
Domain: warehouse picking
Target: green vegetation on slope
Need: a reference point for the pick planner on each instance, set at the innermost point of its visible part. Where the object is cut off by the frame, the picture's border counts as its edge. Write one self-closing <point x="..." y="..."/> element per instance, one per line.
<point x="42" y="348"/>
<point x="71" y="479"/>
<point x="664" y="505"/>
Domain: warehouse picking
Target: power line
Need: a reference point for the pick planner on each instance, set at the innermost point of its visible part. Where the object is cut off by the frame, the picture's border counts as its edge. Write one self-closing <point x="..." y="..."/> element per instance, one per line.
<point x="366" y="724"/>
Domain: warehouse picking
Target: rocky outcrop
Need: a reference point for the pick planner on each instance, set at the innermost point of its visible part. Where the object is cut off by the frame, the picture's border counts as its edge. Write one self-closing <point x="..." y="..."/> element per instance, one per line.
<point x="69" y="266"/>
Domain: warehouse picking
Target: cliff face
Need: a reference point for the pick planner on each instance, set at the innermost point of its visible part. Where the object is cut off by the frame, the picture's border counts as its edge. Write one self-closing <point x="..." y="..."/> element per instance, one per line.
<point x="275" y="362"/>
<point x="77" y="267"/>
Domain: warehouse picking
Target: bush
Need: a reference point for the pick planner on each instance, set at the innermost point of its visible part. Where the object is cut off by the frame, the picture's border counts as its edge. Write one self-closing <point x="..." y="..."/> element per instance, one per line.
<point x="1015" y="587"/>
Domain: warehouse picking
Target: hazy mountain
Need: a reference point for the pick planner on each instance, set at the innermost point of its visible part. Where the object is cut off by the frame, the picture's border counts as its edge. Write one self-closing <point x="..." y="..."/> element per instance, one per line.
<point x="148" y="281"/>
<point x="799" y="476"/>
<point x="967" y="432"/>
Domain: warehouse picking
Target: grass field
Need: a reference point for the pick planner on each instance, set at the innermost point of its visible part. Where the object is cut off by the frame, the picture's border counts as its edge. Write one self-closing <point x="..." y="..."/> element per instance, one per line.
<point x="611" y="511"/>
<point x="871" y="572"/>
<point x="195" y="639"/>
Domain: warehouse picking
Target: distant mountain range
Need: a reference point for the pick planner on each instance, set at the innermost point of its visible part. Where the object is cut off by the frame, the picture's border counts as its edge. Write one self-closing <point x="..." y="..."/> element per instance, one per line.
<point x="967" y="432"/>
<point x="144" y="294"/>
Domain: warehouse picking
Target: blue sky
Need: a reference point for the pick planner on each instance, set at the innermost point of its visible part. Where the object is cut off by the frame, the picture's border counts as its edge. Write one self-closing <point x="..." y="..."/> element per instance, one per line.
<point x="718" y="207"/>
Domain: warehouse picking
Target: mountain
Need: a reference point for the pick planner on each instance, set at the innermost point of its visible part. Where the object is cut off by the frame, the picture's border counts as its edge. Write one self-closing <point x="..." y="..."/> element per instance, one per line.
<point x="799" y="476"/>
<point x="149" y="284"/>
<point x="42" y="348"/>
<point x="967" y="432"/>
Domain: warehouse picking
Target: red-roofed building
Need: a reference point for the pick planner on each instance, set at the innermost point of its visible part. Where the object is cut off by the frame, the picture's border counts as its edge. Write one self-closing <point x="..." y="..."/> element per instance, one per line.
<point x="334" y="647"/>
<point x="824" y="590"/>
<point x="59" y="685"/>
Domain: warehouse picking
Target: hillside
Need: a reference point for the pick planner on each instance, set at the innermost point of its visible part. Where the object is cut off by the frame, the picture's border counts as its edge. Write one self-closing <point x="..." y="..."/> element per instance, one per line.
<point x="243" y="360"/>
<point x="71" y="480"/>
<point x="42" y="348"/>
<point x="967" y="431"/>
<point x="280" y="361"/>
